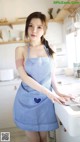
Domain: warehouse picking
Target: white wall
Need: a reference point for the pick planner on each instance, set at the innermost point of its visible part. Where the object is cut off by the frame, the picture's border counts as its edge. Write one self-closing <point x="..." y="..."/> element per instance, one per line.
<point x="22" y="8"/>
<point x="7" y="56"/>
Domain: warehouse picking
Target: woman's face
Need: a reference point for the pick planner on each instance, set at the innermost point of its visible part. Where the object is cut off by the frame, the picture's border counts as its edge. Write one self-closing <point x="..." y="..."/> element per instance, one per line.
<point x="35" y="29"/>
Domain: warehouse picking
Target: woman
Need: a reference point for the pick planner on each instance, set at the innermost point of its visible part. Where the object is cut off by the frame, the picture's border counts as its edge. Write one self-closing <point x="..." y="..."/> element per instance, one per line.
<point x="34" y="103"/>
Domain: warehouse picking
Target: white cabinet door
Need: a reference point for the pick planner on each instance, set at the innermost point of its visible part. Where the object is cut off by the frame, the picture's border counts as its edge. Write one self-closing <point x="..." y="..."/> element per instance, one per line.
<point x="63" y="136"/>
<point x="54" y="32"/>
<point x="7" y="95"/>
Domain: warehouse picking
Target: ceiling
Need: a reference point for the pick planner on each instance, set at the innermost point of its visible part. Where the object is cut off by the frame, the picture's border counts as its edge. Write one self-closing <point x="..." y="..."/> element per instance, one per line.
<point x="68" y="7"/>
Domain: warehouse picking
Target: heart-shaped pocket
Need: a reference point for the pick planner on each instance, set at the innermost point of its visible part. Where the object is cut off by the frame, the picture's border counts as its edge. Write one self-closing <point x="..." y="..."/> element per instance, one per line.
<point x="37" y="100"/>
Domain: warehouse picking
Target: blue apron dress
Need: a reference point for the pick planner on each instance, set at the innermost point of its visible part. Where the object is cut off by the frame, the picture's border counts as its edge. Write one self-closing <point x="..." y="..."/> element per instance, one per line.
<point x="34" y="111"/>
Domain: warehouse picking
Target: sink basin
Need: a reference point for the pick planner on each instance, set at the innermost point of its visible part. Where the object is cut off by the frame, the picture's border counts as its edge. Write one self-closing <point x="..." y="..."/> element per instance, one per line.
<point x="75" y="108"/>
<point x="70" y="118"/>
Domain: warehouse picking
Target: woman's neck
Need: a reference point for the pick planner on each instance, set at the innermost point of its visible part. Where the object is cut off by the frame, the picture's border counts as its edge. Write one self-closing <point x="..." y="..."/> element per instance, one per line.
<point x="32" y="43"/>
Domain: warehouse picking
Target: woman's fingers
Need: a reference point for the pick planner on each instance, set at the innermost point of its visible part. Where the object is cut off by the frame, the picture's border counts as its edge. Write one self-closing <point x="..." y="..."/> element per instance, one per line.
<point x="62" y="99"/>
<point x="58" y="100"/>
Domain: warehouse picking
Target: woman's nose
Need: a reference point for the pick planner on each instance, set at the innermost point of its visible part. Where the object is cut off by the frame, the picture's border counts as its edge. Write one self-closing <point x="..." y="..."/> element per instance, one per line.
<point x="34" y="29"/>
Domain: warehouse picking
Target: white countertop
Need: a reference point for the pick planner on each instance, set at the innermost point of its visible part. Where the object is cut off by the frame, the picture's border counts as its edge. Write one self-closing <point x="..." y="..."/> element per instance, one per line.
<point x="61" y="79"/>
<point x="68" y="84"/>
<point x="66" y="80"/>
<point x="16" y="80"/>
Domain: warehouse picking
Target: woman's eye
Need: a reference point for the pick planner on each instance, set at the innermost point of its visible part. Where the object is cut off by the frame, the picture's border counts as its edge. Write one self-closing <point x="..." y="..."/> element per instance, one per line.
<point x="30" y="25"/>
<point x="39" y="27"/>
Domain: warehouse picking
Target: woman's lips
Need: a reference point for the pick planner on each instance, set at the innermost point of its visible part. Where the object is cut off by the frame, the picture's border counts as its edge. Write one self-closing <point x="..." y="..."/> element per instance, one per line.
<point x="33" y="35"/>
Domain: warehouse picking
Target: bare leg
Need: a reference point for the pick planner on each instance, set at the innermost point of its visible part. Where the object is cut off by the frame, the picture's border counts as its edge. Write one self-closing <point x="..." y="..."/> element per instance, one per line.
<point x="32" y="136"/>
<point x="43" y="136"/>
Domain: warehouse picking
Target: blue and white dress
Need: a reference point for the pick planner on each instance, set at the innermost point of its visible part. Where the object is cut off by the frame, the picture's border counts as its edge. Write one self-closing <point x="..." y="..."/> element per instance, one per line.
<point x="34" y="111"/>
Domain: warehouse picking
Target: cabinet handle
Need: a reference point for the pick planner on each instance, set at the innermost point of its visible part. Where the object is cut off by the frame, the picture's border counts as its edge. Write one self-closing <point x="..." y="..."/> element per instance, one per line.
<point x="60" y="122"/>
<point x="65" y="130"/>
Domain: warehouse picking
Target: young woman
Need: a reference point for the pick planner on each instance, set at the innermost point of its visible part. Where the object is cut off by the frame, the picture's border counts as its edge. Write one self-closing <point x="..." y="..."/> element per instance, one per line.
<point x="34" y="103"/>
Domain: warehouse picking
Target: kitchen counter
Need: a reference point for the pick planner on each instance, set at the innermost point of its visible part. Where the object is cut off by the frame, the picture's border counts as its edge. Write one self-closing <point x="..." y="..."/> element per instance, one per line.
<point x="8" y="90"/>
<point x="68" y="84"/>
<point x="69" y="115"/>
<point x="16" y="80"/>
<point x="66" y="80"/>
<point x="61" y="80"/>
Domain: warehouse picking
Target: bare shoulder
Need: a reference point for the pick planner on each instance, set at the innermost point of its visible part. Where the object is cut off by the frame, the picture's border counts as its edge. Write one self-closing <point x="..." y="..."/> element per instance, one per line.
<point x="21" y="51"/>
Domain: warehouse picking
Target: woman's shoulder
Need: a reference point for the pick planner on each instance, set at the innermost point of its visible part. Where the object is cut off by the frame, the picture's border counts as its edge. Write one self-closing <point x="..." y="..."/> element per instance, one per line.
<point x="21" y="49"/>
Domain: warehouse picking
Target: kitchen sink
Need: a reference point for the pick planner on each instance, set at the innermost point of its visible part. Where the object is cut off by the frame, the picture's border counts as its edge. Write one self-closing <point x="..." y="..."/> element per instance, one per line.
<point x="75" y="108"/>
<point x="69" y="117"/>
<point x="69" y="114"/>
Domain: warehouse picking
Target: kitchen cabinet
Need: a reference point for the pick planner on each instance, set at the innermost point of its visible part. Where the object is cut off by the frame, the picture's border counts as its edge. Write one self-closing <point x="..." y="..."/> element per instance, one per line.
<point x="62" y="135"/>
<point x="7" y="95"/>
<point x="54" y="33"/>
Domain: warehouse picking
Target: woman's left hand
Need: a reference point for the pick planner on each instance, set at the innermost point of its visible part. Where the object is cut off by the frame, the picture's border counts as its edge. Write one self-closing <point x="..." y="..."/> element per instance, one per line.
<point x="66" y="97"/>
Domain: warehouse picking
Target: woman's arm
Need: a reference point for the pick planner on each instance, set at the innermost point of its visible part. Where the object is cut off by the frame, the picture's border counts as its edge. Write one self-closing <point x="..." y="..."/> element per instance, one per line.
<point x="55" y="88"/>
<point x="19" y="58"/>
<point x="54" y="83"/>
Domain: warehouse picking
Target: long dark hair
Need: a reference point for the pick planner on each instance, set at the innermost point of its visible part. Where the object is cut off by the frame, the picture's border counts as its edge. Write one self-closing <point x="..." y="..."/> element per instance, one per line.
<point x="43" y="19"/>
